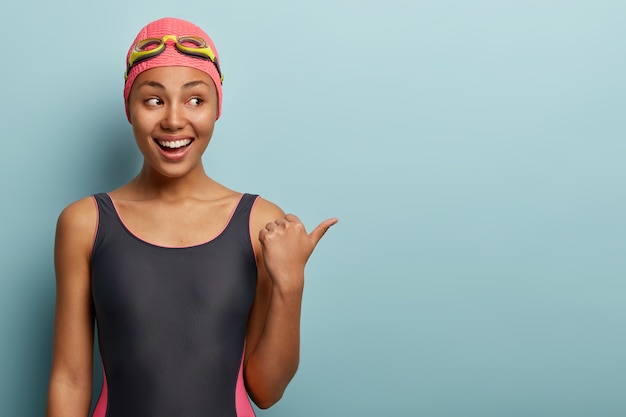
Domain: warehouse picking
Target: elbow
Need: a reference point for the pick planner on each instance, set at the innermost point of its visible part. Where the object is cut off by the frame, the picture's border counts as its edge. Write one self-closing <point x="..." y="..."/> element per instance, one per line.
<point x="266" y="399"/>
<point x="265" y="392"/>
<point x="265" y="386"/>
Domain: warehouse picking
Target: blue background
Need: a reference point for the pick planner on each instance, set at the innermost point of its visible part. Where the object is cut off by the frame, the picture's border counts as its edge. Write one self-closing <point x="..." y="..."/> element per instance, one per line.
<point x="473" y="151"/>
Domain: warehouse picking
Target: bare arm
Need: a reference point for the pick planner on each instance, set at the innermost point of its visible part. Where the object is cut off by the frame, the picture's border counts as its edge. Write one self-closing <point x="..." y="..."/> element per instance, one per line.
<point x="273" y="343"/>
<point x="69" y="392"/>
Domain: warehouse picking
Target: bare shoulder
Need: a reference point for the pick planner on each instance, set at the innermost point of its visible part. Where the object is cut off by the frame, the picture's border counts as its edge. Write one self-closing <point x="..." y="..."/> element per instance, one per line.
<point x="264" y="212"/>
<point x="79" y="214"/>
<point x="78" y="222"/>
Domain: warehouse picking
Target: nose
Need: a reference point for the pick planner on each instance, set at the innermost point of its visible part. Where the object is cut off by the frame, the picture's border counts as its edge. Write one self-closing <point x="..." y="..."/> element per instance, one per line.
<point x="173" y="117"/>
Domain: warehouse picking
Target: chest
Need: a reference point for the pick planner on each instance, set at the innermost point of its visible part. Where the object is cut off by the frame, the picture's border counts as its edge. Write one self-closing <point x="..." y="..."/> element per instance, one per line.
<point x="175" y="225"/>
<point x="134" y="278"/>
<point x="145" y="284"/>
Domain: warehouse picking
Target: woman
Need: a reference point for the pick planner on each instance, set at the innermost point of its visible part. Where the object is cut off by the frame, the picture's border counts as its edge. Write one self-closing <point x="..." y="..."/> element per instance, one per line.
<point x="196" y="289"/>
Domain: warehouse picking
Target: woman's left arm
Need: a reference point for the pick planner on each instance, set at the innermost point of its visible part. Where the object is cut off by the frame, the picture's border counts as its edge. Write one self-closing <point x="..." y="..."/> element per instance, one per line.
<point x="273" y="340"/>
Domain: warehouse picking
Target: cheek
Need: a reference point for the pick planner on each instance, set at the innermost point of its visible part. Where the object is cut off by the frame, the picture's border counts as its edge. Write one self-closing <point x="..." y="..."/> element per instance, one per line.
<point x="142" y="122"/>
<point x="208" y="130"/>
<point x="205" y="125"/>
<point x="140" y="127"/>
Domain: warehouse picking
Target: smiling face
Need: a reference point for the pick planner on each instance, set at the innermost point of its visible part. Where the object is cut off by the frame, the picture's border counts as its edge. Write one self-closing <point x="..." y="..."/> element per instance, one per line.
<point x="173" y="112"/>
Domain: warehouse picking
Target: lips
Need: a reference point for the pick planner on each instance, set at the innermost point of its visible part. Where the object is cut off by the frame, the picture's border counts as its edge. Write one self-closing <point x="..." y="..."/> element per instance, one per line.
<point x="174" y="148"/>
<point x="173" y="144"/>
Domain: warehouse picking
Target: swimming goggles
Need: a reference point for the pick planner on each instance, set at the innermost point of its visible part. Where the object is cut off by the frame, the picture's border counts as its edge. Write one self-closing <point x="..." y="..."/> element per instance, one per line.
<point x="193" y="46"/>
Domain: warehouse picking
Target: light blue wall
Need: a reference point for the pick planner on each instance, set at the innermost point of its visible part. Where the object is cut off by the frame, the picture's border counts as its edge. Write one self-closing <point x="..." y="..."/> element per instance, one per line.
<point x="473" y="150"/>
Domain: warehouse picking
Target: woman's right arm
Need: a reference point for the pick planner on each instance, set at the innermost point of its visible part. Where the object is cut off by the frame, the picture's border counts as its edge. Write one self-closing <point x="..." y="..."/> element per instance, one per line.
<point x="69" y="392"/>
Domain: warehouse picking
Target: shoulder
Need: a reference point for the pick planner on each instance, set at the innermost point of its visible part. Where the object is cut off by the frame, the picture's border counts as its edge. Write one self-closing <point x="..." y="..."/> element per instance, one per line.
<point x="263" y="212"/>
<point x="78" y="222"/>
<point x="79" y="213"/>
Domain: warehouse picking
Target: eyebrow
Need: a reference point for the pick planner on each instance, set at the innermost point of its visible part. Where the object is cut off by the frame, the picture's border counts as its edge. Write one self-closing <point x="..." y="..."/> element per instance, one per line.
<point x="160" y="86"/>
<point x="191" y="84"/>
<point x="152" y="84"/>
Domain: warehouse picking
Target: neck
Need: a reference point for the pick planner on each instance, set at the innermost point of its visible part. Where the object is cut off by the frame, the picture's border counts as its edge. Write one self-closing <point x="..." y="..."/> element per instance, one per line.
<point x="151" y="184"/>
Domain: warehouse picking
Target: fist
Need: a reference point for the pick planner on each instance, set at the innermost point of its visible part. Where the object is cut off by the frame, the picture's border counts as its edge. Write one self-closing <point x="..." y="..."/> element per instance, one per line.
<point x="287" y="246"/>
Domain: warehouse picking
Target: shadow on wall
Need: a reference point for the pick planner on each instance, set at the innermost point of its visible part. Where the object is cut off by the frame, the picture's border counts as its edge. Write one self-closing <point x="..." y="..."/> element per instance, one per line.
<point x="112" y="157"/>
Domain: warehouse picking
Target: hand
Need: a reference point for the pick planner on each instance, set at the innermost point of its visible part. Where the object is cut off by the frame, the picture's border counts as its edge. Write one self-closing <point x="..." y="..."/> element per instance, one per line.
<point x="287" y="247"/>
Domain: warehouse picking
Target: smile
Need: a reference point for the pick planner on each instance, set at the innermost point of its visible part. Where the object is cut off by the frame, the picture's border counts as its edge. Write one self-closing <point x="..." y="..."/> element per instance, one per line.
<point x="174" y="144"/>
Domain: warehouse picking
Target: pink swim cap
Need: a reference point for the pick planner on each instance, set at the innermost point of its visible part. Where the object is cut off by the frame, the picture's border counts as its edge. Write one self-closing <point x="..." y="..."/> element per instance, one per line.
<point x="170" y="56"/>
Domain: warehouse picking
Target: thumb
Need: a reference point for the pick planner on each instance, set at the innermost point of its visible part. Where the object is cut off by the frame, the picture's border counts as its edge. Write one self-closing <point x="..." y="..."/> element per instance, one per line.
<point x="320" y="230"/>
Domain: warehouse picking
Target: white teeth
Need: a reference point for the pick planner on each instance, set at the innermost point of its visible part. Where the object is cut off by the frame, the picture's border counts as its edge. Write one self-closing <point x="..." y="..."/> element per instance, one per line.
<point x="173" y="144"/>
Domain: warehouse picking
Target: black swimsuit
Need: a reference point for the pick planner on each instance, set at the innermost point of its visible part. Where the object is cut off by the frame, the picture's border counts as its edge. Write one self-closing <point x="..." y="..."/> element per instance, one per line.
<point x="172" y="321"/>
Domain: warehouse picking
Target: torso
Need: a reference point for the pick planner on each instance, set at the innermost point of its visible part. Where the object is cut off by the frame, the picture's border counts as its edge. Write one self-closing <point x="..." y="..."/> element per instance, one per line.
<point x="172" y="294"/>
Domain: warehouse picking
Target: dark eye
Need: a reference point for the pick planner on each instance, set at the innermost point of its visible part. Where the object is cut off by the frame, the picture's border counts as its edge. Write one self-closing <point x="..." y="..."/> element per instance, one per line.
<point x="195" y="101"/>
<point x="153" y="101"/>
